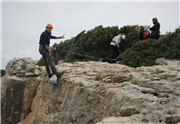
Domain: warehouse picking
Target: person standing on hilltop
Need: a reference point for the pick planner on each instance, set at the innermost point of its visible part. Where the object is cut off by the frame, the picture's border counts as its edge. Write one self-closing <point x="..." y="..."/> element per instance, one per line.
<point x="155" y="33"/>
<point x="45" y="51"/>
<point x="115" y="45"/>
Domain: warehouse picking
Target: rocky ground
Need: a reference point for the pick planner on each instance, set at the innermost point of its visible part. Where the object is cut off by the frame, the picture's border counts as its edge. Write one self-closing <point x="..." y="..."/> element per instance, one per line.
<point x="91" y="93"/>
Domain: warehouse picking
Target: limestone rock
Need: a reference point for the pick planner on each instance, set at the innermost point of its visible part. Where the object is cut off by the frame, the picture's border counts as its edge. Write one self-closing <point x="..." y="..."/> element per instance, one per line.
<point x="92" y="93"/>
<point x="17" y="97"/>
<point x="22" y="67"/>
<point x="119" y="120"/>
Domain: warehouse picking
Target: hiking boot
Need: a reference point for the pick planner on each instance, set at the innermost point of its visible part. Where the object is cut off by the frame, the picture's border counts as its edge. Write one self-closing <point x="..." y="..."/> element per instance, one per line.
<point x="59" y="75"/>
<point x="50" y="76"/>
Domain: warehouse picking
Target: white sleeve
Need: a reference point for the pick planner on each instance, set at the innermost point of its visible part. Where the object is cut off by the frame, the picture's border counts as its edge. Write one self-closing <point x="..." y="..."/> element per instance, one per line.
<point x="117" y="44"/>
<point x="114" y="39"/>
<point x="118" y="40"/>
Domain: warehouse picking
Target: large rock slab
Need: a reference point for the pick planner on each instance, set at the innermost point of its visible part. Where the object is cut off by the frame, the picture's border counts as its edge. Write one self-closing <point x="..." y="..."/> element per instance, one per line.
<point x="16" y="97"/>
<point x="91" y="91"/>
<point x="96" y="92"/>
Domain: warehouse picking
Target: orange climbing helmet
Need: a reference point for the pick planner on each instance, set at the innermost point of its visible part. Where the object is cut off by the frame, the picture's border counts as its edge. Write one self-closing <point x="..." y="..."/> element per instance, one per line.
<point x="49" y="25"/>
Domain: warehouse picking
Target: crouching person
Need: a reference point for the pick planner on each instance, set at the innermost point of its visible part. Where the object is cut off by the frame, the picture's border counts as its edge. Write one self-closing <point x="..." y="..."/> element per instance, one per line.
<point x="115" y="45"/>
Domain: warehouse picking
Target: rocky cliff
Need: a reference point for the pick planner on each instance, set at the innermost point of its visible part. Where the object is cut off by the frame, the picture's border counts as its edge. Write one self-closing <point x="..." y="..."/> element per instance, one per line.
<point x="91" y="93"/>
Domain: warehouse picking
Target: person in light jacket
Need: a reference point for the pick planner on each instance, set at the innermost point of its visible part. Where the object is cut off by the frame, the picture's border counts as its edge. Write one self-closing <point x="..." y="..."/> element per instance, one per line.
<point x="115" y="45"/>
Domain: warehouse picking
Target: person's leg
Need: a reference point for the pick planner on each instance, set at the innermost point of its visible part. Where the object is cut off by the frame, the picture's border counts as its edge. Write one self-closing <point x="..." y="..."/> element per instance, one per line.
<point x="117" y="52"/>
<point x="43" y="52"/>
<point x="154" y="36"/>
<point x="46" y="65"/>
<point x="51" y="63"/>
<point x="113" y="51"/>
<point x="48" y="59"/>
<point x="157" y="37"/>
<point x="151" y="36"/>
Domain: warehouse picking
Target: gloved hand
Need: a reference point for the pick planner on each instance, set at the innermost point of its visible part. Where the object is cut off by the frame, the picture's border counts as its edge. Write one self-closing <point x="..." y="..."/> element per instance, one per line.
<point x="147" y="34"/>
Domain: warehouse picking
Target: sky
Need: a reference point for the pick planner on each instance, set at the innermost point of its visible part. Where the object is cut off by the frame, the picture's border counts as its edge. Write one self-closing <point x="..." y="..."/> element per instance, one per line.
<point x="23" y="21"/>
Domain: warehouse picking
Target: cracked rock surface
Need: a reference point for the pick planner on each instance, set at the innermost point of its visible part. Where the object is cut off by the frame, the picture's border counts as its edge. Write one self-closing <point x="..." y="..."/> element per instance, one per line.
<point x="92" y="93"/>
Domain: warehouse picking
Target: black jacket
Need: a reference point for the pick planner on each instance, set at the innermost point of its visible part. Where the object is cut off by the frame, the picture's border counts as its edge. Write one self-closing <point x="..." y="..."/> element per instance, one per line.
<point x="45" y="38"/>
<point x="155" y="28"/>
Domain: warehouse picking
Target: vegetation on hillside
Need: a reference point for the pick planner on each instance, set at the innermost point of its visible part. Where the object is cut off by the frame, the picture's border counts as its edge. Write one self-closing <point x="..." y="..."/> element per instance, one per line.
<point x="144" y="53"/>
<point x="96" y="43"/>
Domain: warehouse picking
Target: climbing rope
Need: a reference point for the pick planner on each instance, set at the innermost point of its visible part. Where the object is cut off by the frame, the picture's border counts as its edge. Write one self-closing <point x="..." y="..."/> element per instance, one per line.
<point x="54" y="49"/>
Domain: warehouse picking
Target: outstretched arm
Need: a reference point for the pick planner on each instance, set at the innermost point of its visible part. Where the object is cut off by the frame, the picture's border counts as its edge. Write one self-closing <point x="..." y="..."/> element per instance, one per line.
<point x="60" y="37"/>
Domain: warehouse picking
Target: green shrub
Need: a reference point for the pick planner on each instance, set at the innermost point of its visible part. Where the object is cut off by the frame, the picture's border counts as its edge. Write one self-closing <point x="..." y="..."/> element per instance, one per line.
<point x="143" y="53"/>
<point x="40" y="62"/>
<point x="171" y="42"/>
<point x="95" y="43"/>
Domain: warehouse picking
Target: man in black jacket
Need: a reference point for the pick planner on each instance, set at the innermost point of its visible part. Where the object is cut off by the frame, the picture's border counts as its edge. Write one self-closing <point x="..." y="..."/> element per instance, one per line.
<point x="155" y="33"/>
<point x="45" y="51"/>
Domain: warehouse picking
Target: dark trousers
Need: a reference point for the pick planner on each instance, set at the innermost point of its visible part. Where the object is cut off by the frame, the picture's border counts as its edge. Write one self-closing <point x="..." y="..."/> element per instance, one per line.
<point x="154" y="35"/>
<point x="48" y="60"/>
<point x="115" y="52"/>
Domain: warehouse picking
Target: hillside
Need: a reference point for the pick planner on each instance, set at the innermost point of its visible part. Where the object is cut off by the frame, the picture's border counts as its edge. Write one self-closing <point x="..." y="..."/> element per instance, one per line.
<point x="91" y="93"/>
<point x="94" y="44"/>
